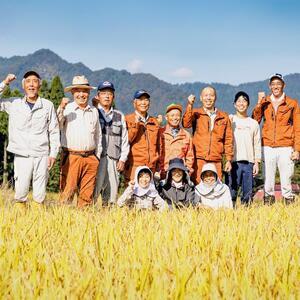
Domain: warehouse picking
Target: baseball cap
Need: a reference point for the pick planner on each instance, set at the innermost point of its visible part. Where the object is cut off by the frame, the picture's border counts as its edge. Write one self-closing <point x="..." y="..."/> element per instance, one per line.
<point x="276" y="76"/>
<point x="31" y="72"/>
<point x="106" y="85"/>
<point x="174" y="106"/>
<point x="138" y="94"/>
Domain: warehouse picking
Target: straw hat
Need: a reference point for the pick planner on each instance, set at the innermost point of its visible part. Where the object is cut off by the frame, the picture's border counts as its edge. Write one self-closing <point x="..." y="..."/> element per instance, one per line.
<point x="79" y="82"/>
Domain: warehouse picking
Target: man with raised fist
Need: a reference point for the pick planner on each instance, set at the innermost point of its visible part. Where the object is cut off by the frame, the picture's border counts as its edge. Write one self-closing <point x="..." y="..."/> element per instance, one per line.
<point x="33" y="137"/>
<point x="212" y="133"/>
<point x="280" y="137"/>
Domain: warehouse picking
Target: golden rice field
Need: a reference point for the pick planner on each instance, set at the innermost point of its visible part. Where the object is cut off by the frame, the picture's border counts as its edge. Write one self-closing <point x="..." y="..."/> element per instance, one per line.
<point x="63" y="253"/>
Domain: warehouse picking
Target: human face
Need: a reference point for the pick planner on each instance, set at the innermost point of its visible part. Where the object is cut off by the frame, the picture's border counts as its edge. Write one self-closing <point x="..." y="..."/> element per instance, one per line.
<point x="81" y="96"/>
<point x="209" y="177"/>
<point x="144" y="180"/>
<point x="142" y="104"/>
<point x="31" y="86"/>
<point x="106" y="97"/>
<point x="241" y="105"/>
<point x="177" y="175"/>
<point x="173" y="117"/>
<point x="208" y="98"/>
<point x="276" y="86"/>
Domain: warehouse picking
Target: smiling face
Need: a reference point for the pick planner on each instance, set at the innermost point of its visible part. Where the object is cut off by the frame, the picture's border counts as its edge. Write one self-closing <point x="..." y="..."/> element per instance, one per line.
<point x="276" y="86"/>
<point x="144" y="179"/>
<point x="31" y="86"/>
<point x="209" y="177"/>
<point x="142" y="104"/>
<point x="177" y="175"/>
<point x="106" y="98"/>
<point x="173" y="118"/>
<point x="241" y="105"/>
<point x="81" y="96"/>
<point x="208" y="98"/>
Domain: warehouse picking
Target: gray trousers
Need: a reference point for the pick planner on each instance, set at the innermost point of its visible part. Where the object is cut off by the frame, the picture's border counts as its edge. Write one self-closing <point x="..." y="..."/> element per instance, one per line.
<point x="27" y="169"/>
<point x="108" y="180"/>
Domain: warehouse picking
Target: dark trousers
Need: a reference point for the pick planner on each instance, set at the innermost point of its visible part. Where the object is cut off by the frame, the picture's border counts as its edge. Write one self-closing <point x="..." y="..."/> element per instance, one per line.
<point x="241" y="175"/>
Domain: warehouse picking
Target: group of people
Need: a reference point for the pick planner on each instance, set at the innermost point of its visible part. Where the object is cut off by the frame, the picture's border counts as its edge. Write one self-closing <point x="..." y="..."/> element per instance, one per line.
<point x="163" y="166"/>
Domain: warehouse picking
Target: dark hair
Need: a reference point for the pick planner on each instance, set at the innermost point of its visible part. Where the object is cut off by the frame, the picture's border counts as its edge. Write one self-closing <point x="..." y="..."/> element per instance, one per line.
<point x="144" y="171"/>
<point x="243" y="94"/>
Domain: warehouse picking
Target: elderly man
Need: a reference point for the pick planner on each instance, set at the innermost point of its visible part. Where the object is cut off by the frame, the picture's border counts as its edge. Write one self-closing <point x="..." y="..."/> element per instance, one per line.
<point x="33" y="137"/>
<point x="143" y="136"/>
<point x="280" y="137"/>
<point x="175" y="142"/>
<point x="212" y="133"/>
<point x="81" y="144"/>
<point x="115" y="145"/>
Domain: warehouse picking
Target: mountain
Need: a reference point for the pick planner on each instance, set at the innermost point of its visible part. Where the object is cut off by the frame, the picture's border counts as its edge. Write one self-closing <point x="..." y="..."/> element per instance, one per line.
<point x="49" y="64"/>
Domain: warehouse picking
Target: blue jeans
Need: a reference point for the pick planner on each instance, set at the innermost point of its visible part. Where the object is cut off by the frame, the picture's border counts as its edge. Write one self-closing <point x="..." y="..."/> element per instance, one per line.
<point x="241" y="175"/>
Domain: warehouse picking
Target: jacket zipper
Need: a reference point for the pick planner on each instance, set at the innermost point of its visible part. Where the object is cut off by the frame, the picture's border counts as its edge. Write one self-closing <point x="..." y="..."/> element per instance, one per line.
<point x="147" y="138"/>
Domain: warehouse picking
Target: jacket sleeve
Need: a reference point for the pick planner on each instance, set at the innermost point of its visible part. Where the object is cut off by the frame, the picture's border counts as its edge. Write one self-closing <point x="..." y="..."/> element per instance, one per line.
<point x="124" y="143"/>
<point x="257" y="144"/>
<point x="61" y="117"/>
<point x="98" y="139"/>
<point x="228" y="142"/>
<point x="197" y="199"/>
<point x="54" y="135"/>
<point x="4" y="103"/>
<point x="126" y="196"/>
<point x="257" y="113"/>
<point x="188" y="117"/>
<point x="296" y="124"/>
<point x="160" y="203"/>
<point x="133" y="128"/>
<point x="190" y="157"/>
<point x="190" y="196"/>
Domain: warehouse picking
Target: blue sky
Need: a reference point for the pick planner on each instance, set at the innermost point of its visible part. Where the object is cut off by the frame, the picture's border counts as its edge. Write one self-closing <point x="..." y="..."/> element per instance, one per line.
<point x="177" y="41"/>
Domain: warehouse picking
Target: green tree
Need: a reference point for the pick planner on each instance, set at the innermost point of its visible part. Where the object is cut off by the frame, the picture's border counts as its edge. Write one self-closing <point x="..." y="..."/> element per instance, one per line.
<point x="56" y="91"/>
<point x="44" y="90"/>
<point x="56" y="94"/>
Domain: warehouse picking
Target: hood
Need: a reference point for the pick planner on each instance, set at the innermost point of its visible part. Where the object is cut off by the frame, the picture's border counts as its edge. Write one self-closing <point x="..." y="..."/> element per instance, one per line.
<point x="139" y="191"/>
<point x="210" y="191"/>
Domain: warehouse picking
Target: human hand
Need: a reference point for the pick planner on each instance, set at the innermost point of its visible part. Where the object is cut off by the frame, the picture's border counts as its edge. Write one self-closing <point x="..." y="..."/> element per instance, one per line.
<point x="51" y="162"/>
<point x="261" y="97"/>
<point x="120" y="166"/>
<point x="191" y="99"/>
<point x="9" y="78"/>
<point x="295" y="155"/>
<point x="255" y="169"/>
<point x="228" y="167"/>
<point x="64" y="102"/>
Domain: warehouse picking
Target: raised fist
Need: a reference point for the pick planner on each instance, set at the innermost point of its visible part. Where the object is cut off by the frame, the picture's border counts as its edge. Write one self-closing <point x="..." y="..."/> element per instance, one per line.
<point x="64" y="102"/>
<point x="191" y="99"/>
<point x="9" y="78"/>
<point x="261" y="97"/>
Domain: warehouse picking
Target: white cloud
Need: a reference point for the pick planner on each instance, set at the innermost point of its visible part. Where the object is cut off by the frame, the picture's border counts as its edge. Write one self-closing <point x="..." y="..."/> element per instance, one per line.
<point x="135" y="66"/>
<point x="182" y="72"/>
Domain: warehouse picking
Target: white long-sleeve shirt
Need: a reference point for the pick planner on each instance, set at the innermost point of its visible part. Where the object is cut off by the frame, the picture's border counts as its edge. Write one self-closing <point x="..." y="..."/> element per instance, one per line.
<point x="80" y="128"/>
<point x="32" y="132"/>
<point x="247" y="141"/>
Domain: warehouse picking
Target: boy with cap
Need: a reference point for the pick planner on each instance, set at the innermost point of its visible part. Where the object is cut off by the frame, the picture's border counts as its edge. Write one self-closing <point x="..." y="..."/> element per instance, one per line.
<point x="280" y="137"/>
<point x="143" y="136"/>
<point x="175" y="141"/>
<point x="247" y="150"/>
<point x="115" y="147"/>
<point x="33" y="137"/>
